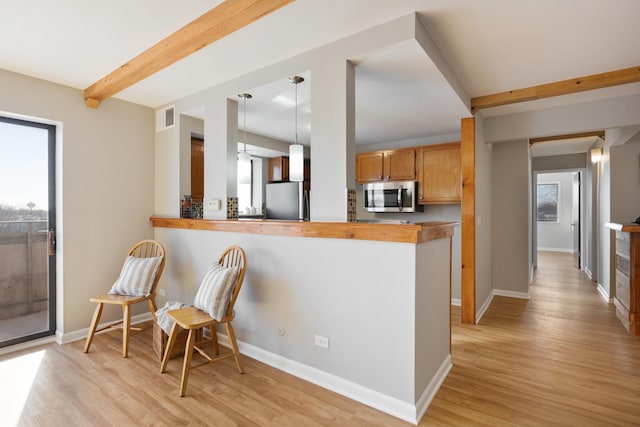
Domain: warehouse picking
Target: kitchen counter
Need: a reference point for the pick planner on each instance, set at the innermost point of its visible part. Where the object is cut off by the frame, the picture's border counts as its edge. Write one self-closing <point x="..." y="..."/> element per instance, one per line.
<point x="631" y="227"/>
<point x="363" y="287"/>
<point x="401" y="233"/>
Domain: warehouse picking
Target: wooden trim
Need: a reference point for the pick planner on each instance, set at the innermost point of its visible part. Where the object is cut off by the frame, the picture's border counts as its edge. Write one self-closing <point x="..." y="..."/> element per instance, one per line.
<point x="468" y="213"/>
<point x="598" y="133"/>
<point x="564" y="87"/>
<point x="399" y="233"/>
<point x="224" y="19"/>
<point x="630" y="228"/>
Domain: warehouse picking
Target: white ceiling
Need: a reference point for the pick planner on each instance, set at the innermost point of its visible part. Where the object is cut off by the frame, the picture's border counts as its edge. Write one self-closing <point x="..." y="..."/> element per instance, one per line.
<point x="491" y="46"/>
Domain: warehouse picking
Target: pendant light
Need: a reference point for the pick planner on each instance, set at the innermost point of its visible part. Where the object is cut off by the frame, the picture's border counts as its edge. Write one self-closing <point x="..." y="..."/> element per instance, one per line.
<point x="244" y="158"/>
<point x="296" y="151"/>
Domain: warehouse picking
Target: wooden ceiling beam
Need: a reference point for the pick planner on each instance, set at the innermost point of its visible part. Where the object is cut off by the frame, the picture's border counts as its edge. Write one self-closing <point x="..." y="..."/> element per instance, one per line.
<point x="224" y="19"/>
<point x="598" y="133"/>
<point x="564" y="87"/>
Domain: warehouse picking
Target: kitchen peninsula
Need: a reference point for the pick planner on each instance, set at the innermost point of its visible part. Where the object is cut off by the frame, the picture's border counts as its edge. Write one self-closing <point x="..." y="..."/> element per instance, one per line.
<point x="379" y="294"/>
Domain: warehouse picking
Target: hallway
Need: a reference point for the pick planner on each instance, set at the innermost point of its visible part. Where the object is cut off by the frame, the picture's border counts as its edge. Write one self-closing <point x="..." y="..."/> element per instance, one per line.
<point x="561" y="358"/>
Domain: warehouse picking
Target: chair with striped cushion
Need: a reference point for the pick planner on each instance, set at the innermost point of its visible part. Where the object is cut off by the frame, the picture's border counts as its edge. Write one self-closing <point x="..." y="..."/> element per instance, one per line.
<point x="213" y="304"/>
<point x="137" y="283"/>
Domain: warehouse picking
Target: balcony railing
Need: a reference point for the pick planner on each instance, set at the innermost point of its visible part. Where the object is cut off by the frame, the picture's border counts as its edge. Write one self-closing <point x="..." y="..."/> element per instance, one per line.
<point x="24" y="259"/>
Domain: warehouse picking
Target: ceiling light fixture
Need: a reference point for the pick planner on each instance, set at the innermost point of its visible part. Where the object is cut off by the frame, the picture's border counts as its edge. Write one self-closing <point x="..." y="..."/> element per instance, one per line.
<point x="296" y="151"/>
<point x="244" y="158"/>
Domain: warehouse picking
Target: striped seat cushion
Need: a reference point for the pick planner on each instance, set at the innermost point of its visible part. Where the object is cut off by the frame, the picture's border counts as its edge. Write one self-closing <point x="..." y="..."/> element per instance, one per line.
<point x="137" y="276"/>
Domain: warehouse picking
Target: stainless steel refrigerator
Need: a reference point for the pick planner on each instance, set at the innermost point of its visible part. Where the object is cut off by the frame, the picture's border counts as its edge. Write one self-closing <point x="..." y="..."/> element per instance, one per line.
<point x="287" y="200"/>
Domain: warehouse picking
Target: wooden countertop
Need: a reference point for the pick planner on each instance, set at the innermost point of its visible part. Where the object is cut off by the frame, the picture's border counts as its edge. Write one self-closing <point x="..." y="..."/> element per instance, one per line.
<point x="401" y="233"/>
<point x="631" y="227"/>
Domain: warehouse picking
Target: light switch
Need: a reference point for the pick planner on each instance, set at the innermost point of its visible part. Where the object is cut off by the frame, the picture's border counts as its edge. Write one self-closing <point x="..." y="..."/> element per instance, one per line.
<point x="215" y="205"/>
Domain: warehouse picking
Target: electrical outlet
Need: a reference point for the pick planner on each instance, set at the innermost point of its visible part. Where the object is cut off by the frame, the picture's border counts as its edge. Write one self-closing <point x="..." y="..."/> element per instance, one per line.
<point x="161" y="292"/>
<point x="321" y="341"/>
<point x="281" y="331"/>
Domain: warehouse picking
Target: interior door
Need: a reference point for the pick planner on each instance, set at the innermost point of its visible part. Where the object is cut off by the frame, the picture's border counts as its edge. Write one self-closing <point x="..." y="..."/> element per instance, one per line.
<point x="27" y="230"/>
<point x="575" y="219"/>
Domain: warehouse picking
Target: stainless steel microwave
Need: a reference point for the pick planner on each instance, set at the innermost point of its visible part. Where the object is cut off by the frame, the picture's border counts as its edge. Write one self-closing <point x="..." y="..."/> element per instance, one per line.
<point x="390" y="196"/>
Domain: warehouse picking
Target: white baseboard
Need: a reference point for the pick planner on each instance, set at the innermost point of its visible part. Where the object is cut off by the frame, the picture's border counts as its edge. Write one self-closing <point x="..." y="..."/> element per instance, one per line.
<point x="434" y="385"/>
<point x="62" y="338"/>
<point x="604" y="293"/>
<point x="485" y="306"/>
<point x="390" y="405"/>
<point x="589" y="274"/>
<point x="511" y="294"/>
<point x="456" y="301"/>
<point x="564" y="250"/>
<point x="66" y="338"/>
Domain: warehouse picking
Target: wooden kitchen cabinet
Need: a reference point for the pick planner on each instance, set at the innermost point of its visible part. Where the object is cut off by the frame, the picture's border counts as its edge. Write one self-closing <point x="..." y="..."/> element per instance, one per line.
<point x="439" y="173"/>
<point x="278" y="169"/>
<point x="387" y="165"/>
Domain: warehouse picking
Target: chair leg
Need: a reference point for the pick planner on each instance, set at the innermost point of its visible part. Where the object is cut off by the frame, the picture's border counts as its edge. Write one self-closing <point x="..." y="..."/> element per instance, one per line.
<point x="234" y="344"/>
<point x="153" y="308"/>
<point x="92" y="329"/>
<point x="126" y="320"/>
<point x="167" y="350"/>
<point x="188" y="353"/>
<point x="214" y="338"/>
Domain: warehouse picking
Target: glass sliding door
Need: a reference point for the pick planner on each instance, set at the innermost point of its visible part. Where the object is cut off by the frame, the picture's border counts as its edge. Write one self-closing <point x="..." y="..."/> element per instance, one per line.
<point x="27" y="230"/>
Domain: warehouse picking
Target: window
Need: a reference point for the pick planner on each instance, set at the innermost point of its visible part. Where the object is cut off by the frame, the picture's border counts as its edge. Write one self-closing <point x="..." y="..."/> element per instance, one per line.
<point x="548" y="202"/>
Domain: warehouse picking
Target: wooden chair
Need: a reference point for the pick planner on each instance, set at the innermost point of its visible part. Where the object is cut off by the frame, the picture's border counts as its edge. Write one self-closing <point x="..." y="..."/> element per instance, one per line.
<point x="143" y="249"/>
<point x="192" y="319"/>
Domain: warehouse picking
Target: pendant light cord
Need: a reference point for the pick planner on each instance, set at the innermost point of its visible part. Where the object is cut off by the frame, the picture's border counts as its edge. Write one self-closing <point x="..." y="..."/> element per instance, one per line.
<point x="296" y="113"/>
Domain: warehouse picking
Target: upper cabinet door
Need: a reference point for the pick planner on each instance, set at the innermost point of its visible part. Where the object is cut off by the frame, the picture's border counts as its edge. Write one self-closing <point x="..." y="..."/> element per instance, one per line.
<point x="400" y="165"/>
<point x="388" y="165"/>
<point x="439" y="174"/>
<point x="278" y="169"/>
<point x="369" y="167"/>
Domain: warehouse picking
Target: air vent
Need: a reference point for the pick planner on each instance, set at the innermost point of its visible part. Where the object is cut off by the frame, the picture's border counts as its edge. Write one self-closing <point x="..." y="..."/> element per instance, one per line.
<point x="165" y="118"/>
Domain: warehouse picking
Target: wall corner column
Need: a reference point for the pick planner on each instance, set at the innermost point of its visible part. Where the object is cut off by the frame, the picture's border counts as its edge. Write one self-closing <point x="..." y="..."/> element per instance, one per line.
<point x="220" y="155"/>
<point x="333" y="138"/>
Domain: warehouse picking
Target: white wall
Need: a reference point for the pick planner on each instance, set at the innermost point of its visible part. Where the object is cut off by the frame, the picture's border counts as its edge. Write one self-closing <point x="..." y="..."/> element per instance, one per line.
<point x="484" y="223"/>
<point x="510" y="213"/>
<point x="104" y="190"/>
<point x="557" y="236"/>
<point x="625" y="176"/>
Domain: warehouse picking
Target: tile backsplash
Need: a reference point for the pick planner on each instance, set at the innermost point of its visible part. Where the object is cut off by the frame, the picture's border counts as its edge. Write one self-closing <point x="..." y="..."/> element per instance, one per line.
<point x="351" y="205"/>
<point x="191" y="208"/>
<point x="232" y="208"/>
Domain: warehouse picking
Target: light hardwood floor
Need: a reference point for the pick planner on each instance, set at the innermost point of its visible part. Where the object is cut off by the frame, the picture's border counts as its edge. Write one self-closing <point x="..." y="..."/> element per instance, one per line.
<point x="559" y="359"/>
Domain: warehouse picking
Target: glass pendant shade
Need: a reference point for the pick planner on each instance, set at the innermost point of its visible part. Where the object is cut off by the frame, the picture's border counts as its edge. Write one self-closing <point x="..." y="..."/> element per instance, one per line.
<point x="296" y="162"/>
<point x="244" y="168"/>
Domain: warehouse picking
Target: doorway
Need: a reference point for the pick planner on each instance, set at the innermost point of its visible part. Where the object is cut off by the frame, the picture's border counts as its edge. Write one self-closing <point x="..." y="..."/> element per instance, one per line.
<point x="559" y="215"/>
<point x="27" y="230"/>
